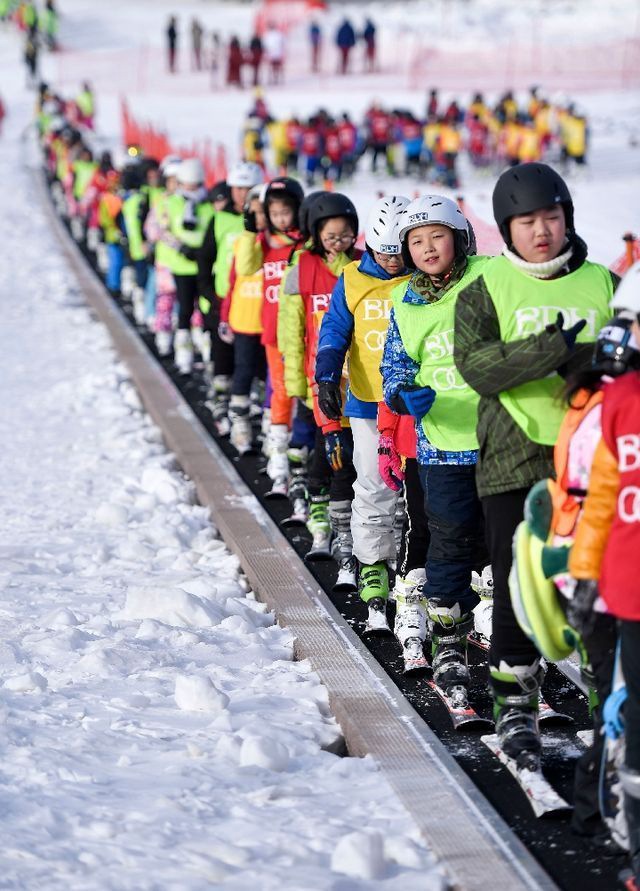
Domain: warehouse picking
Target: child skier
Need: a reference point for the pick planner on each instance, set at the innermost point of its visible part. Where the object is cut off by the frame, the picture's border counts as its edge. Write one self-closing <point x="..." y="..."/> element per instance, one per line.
<point x="516" y="326"/>
<point x="241" y="312"/>
<point x="355" y="325"/>
<point x="330" y="221"/>
<point x="607" y="535"/>
<point x="419" y="379"/>
<point x="271" y="251"/>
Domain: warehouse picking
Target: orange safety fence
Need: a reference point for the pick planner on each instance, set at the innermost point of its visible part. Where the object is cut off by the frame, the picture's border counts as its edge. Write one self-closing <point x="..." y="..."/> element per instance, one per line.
<point x="156" y="144"/>
<point x="285" y="14"/>
<point x="631" y="253"/>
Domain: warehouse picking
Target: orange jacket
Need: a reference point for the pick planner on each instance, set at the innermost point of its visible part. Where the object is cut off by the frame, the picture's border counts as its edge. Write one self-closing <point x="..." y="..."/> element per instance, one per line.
<point x="598" y="513"/>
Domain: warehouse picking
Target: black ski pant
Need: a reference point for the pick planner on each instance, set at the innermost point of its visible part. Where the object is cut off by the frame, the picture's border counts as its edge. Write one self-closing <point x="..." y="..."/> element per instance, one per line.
<point x="322" y="477"/>
<point x="414" y="543"/>
<point x="249" y="363"/>
<point x="221" y="352"/>
<point x="187" y="293"/>
<point x="502" y="514"/>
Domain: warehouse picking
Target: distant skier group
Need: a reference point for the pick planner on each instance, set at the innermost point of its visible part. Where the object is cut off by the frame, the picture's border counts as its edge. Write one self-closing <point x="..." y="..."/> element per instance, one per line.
<point x="484" y="411"/>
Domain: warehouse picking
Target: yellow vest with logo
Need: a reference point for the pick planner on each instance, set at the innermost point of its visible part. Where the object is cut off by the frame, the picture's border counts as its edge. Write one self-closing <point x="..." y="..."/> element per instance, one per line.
<point x="525" y="306"/>
<point x="369" y="301"/>
<point x="246" y="304"/>
<point x="426" y="330"/>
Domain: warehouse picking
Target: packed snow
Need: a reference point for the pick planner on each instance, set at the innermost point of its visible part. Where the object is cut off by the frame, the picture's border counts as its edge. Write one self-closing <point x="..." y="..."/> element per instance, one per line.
<point x="157" y="732"/>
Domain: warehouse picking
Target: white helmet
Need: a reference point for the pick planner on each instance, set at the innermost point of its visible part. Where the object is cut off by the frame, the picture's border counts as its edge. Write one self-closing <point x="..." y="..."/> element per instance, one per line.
<point x="430" y="209"/>
<point x="191" y="170"/>
<point x="627" y="295"/>
<point x="381" y="229"/>
<point x="245" y="174"/>
<point x="169" y="165"/>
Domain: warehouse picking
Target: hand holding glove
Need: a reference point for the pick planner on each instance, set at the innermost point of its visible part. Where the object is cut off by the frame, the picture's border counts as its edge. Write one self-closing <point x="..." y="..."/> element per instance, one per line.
<point x="337" y="448"/>
<point x="570" y="334"/>
<point x="418" y="402"/>
<point x="225" y="332"/>
<point x="390" y="463"/>
<point x="250" y="221"/>
<point x="330" y="400"/>
<point x="580" y="612"/>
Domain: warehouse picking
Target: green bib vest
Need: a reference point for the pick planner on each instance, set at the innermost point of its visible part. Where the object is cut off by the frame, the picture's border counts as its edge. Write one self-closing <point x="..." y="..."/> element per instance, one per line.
<point x="525" y="306"/>
<point x="83" y="173"/>
<point x="179" y="264"/>
<point x="427" y="336"/>
<point x="131" y="214"/>
<point x="226" y="229"/>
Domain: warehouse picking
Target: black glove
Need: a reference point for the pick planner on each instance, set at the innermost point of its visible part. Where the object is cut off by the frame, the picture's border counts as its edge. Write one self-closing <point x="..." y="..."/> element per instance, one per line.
<point x="189" y="225"/>
<point x="250" y="222"/>
<point x="330" y="400"/>
<point x="188" y="252"/>
<point x="569" y="334"/>
<point x="580" y="612"/>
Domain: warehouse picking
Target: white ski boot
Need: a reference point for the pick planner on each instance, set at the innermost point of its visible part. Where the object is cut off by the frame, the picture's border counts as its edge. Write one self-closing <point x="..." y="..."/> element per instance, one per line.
<point x="138" y="303"/>
<point x="77" y="229"/>
<point x="241" y="436"/>
<point x="205" y="347"/>
<point x="483" y="612"/>
<point x="164" y="343"/>
<point x="183" y="351"/>
<point x="218" y="403"/>
<point x="93" y="238"/>
<point x="410" y="626"/>
<point x="278" y="463"/>
<point x="127" y="281"/>
<point x="342" y="546"/>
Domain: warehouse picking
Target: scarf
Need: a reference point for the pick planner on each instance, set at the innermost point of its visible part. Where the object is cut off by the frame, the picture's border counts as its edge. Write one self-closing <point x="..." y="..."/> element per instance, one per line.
<point x="432" y="288"/>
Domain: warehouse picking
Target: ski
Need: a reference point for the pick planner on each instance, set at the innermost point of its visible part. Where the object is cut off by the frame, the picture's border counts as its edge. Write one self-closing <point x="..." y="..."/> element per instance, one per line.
<point x="415" y="660"/>
<point x="478" y="640"/>
<point x="377" y="622"/>
<point x="541" y="795"/>
<point x="463" y="715"/>
<point x="547" y="714"/>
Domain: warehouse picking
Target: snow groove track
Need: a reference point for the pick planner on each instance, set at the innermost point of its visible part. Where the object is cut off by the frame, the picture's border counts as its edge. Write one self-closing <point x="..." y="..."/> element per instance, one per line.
<point x="474" y="845"/>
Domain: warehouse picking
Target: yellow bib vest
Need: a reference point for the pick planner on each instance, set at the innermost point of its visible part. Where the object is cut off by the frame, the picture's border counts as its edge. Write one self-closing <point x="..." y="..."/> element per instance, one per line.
<point x="525" y="306"/>
<point x="426" y="330"/>
<point x="369" y="301"/>
<point x="246" y="304"/>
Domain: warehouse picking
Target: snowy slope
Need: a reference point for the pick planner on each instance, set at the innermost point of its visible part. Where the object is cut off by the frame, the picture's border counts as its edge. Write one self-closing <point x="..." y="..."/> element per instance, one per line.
<point x="156" y="733"/>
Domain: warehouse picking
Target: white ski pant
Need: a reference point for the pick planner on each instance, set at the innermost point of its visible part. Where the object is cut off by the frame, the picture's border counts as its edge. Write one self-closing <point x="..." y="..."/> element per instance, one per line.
<point x="374" y="503"/>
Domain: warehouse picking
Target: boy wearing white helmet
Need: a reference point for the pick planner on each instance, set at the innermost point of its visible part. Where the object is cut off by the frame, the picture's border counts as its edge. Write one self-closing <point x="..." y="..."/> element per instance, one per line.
<point x="419" y="379"/>
<point x="216" y="255"/>
<point x="355" y="325"/>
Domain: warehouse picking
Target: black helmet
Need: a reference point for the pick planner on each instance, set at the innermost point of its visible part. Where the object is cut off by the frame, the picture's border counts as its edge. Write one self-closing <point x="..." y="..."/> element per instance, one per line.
<point x="304" y="212"/>
<point x="220" y="191"/>
<point x="287" y="188"/>
<point x="615" y="351"/>
<point x="526" y="188"/>
<point x="323" y="206"/>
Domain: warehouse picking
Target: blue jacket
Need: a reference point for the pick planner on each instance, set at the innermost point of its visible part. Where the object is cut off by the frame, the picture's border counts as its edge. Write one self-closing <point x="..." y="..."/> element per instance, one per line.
<point x="399" y="371"/>
<point x="346" y="36"/>
<point x="335" y="339"/>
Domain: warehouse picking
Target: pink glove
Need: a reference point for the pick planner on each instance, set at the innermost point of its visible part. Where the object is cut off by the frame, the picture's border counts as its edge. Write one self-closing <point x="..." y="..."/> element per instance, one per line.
<point x="390" y="463"/>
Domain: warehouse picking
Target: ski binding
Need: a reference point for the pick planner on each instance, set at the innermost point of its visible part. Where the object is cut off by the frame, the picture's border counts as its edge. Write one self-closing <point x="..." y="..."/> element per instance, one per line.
<point x="463" y="716"/>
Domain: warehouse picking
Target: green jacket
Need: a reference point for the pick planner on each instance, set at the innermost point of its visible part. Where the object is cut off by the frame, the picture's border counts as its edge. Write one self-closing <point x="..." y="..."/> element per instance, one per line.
<point x="507" y="458"/>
